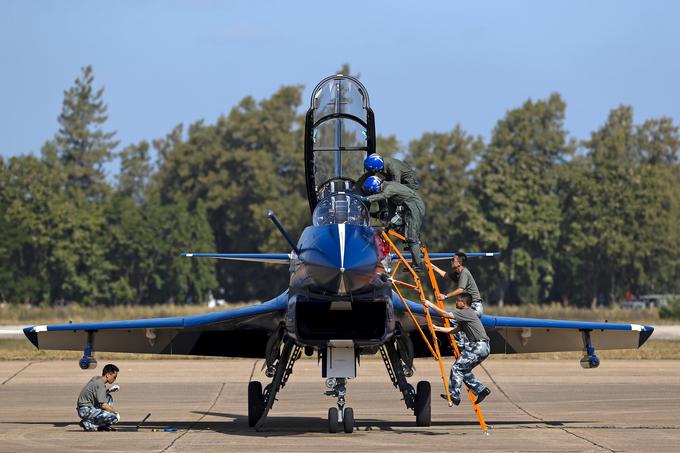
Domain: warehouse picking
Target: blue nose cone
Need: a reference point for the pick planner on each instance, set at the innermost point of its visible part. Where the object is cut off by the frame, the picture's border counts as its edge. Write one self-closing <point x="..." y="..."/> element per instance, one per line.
<point x="339" y="258"/>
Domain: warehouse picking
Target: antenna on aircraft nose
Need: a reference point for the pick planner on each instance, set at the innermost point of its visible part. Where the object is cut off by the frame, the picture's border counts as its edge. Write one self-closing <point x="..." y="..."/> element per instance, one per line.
<point x="283" y="231"/>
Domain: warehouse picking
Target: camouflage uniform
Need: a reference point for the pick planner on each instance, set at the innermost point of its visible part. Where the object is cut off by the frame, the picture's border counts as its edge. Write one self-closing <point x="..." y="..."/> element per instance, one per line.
<point x="475" y="349"/>
<point x="89" y="406"/>
<point x="92" y="418"/>
<point x="472" y="354"/>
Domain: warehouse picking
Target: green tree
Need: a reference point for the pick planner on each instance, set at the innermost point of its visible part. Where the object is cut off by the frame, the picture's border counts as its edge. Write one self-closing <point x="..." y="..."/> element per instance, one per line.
<point x="82" y="145"/>
<point x="513" y="204"/>
<point x="250" y="161"/>
<point x="135" y="171"/>
<point x="442" y="161"/>
<point x="623" y="211"/>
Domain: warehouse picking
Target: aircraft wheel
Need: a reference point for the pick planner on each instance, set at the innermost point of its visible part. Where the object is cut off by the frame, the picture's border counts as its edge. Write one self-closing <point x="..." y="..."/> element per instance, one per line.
<point x="423" y="409"/>
<point x="255" y="402"/>
<point x="333" y="420"/>
<point x="348" y="420"/>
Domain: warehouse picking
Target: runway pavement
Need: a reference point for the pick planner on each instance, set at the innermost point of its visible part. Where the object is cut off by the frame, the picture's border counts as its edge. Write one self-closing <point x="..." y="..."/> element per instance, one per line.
<point x="536" y="405"/>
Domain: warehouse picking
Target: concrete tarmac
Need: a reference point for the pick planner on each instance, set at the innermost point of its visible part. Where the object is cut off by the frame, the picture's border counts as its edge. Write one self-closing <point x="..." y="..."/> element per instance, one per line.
<point x="536" y="405"/>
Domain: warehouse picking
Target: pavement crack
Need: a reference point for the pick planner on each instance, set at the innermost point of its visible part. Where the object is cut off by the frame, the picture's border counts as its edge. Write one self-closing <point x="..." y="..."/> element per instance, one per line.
<point x="500" y="389"/>
<point x="196" y="421"/>
<point x="252" y="371"/>
<point x="16" y="374"/>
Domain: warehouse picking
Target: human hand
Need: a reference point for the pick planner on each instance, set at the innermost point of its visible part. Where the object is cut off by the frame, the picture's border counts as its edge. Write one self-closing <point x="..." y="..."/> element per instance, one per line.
<point x="113" y="388"/>
<point x="441" y="296"/>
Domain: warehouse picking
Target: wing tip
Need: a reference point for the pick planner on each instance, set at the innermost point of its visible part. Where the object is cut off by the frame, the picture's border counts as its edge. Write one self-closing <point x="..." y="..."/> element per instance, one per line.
<point x="645" y="334"/>
<point x="32" y="335"/>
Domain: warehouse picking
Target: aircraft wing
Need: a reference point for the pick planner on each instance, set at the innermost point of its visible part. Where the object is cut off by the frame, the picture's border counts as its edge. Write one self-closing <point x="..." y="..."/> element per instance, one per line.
<point x="240" y="332"/>
<point x="449" y="255"/>
<point x="511" y="335"/>
<point x="275" y="258"/>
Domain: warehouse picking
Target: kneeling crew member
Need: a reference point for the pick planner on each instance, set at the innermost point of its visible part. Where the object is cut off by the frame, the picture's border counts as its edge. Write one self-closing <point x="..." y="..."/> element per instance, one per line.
<point x="95" y="404"/>
<point x="398" y="194"/>
<point x="472" y="354"/>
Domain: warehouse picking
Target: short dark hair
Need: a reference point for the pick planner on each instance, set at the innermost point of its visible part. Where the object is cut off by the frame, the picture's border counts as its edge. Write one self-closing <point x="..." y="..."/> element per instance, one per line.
<point x="110" y="368"/>
<point x="467" y="298"/>
<point x="462" y="258"/>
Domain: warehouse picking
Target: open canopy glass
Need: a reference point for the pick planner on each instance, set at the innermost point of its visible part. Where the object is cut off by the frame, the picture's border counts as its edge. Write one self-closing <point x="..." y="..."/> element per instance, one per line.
<point x="340" y="132"/>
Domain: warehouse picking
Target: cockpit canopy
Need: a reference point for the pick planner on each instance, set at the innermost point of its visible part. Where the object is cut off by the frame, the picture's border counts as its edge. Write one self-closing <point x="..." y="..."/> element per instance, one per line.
<point x="339" y="134"/>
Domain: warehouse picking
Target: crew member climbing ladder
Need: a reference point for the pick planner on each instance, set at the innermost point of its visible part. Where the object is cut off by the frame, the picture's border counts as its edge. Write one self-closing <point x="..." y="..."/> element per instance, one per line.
<point x="417" y="285"/>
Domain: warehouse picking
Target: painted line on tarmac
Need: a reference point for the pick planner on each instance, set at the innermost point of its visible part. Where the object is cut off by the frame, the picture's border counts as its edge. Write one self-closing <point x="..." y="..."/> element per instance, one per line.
<point x="595" y="444"/>
<point x="16" y="374"/>
<point x="196" y="422"/>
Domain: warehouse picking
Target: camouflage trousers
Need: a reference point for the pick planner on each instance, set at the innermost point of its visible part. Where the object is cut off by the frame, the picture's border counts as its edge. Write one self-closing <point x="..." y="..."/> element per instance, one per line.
<point x="478" y="308"/>
<point x="92" y="418"/>
<point x="471" y="355"/>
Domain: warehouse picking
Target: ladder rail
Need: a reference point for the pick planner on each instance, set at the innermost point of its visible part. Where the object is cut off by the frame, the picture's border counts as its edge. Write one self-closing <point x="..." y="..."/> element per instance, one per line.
<point x="434" y="346"/>
<point x="452" y="340"/>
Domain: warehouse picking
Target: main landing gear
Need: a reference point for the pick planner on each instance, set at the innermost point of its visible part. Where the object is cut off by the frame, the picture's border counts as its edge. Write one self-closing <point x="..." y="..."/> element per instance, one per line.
<point x="259" y="401"/>
<point x="87" y="362"/>
<point x="418" y="399"/>
<point x="589" y="360"/>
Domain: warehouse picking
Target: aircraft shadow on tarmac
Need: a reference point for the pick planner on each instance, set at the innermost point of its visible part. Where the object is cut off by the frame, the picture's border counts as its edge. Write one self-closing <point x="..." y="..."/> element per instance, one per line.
<point x="286" y="426"/>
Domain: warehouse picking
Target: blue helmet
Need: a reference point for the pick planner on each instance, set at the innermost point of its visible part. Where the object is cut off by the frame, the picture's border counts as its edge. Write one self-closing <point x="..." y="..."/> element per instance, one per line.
<point x="372" y="184"/>
<point x="374" y="163"/>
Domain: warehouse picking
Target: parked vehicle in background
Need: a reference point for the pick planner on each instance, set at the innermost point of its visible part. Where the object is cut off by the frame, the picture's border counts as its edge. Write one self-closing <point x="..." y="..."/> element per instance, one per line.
<point x="648" y="301"/>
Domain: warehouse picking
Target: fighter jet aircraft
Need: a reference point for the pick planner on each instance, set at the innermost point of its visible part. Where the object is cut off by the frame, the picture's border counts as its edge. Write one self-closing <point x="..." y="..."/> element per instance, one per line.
<point x="339" y="303"/>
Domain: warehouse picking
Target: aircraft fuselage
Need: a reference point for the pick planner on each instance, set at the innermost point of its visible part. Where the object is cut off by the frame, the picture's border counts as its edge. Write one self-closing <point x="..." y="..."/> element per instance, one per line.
<point x="337" y="288"/>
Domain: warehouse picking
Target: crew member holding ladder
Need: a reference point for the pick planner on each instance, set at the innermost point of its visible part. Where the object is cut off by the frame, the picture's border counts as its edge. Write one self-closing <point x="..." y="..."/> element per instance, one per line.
<point x="473" y="352"/>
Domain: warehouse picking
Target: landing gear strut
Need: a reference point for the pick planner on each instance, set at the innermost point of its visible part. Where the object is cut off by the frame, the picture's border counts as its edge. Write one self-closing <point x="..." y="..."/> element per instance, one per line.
<point x="260" y="402"/>
<point x="590" y="360"/>
<point x="87" y="362"/>
<point x="419" y="399"/>
<point x="340" y="414"/>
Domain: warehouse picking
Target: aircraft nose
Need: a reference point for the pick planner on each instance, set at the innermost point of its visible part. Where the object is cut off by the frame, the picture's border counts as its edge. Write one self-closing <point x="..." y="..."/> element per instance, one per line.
<point x="341" y="258"/>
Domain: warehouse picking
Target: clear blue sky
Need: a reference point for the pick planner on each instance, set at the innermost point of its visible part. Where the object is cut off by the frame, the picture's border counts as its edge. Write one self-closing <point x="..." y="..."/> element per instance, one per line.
<point x="427" y="65"/>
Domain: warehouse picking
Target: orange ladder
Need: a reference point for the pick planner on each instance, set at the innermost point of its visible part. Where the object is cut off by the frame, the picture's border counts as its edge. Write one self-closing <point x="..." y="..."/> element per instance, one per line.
<point x="417" y="285"/>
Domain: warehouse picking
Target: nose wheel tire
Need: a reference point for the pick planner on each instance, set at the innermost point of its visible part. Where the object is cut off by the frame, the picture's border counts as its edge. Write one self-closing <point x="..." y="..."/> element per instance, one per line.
<point x="255" y="402"/>
<point x="423" y="404"/>
<point x="333" y="423"/>
<point x="348" y="420"/>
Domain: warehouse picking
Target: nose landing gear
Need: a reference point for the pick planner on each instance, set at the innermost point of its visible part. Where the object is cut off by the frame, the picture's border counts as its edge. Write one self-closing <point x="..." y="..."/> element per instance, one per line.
<point x="341" y="414"/>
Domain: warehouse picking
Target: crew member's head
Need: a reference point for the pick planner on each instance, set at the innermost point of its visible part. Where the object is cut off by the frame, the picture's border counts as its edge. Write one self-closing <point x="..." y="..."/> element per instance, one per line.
<point x="374" y="163"/>
<point x="373" y="184"/>
<point x="458" y="261"/>
<point x="110" y="373"/>
<point x="463" y="300"/>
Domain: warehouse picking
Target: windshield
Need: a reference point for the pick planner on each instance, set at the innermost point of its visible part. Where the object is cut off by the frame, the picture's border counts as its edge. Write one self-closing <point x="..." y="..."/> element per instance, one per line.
<point x="340" y="208"/>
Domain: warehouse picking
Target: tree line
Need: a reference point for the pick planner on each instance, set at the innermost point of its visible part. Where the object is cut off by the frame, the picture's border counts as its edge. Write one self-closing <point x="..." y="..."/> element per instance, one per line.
<point x="577" y="221"/>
